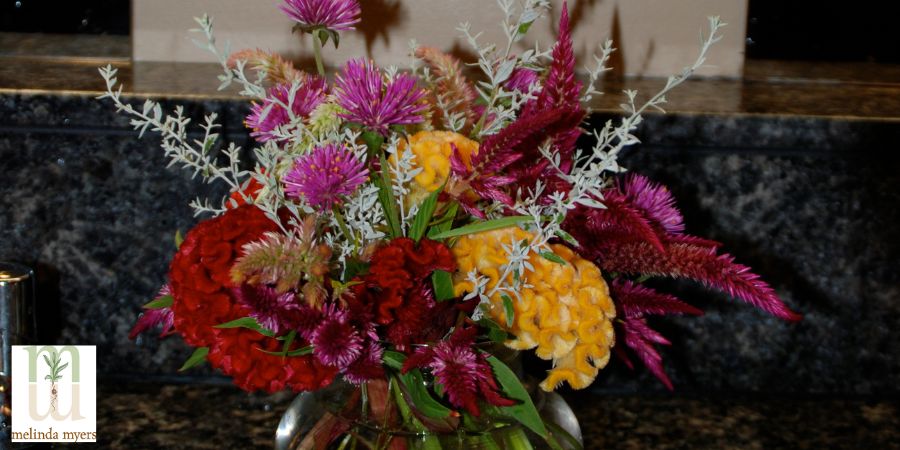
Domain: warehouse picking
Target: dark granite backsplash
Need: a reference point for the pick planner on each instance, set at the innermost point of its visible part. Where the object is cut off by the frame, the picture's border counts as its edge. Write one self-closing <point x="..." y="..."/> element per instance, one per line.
<point x="811" y="203"/>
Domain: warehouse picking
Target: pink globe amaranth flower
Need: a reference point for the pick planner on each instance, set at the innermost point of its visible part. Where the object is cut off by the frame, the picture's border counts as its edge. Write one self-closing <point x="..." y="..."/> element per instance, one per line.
<point x="337" y="15"/>
<point x="324" y="176"/>
<point x="376" y="102"/>
<point x="267" y="116"/>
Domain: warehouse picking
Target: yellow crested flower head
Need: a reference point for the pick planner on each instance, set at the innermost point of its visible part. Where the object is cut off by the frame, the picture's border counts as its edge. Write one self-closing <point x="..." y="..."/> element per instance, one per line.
<point x="432" y="150"/>
<point x="565" y="313"/>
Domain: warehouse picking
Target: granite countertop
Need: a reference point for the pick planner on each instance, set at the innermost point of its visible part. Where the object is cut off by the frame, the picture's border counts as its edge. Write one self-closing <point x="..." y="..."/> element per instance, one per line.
<point x="140" y="416"/>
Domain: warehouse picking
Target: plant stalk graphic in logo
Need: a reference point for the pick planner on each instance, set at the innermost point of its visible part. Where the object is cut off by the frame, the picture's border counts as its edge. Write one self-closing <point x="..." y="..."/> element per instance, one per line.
<point x="55" y="375"/>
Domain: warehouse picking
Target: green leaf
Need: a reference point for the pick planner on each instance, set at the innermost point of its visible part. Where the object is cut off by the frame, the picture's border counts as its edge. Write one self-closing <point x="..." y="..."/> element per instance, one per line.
<point x="415" y="385"/>
<point x="355" y="267"/>
<point x="386" y="197"/>
<point x="246" y="322"/>
<point x="524" y="411"/>
<point x="421" y="397"/>
<point x="160" y="302"/>
<point x="179" y="239"/>
<point x="47" y="377"/>
<point x="445" y="222"/>
<point x="523" y="28"/>
<point x="60" y="368"/>
<point x="197" y="358"/>
<point x="393" y="359"/>
<point x="288" y="341"/>
<point x="567" y="237"/>
<point x="557" y="432"/>
<point x="443" y="285"/>
<point x="494" y="332"/>
<point x="47" y="360"/>
<point x="487" y="225"/>
<point x="423" y="216"/>
<point x="550" y="256"/>
<point x="509" y="310"/>
<point x="299" y="352"/>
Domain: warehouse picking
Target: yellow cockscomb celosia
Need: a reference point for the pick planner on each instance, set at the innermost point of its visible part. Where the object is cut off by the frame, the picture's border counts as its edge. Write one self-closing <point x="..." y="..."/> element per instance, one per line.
<point x="565" y="315"/>
<point x="432" y="150"/>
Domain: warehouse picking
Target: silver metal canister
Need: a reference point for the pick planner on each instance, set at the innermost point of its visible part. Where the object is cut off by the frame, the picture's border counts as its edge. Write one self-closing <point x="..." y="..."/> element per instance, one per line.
<point x="17" y="323"/>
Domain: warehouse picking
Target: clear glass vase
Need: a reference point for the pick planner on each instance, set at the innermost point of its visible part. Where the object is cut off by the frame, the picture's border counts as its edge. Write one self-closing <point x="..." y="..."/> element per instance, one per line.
<point x="378" y="416"/>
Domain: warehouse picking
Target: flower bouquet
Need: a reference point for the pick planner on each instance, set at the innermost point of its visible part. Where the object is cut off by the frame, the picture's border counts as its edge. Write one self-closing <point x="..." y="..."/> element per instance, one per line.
<point x="399" y="229"/>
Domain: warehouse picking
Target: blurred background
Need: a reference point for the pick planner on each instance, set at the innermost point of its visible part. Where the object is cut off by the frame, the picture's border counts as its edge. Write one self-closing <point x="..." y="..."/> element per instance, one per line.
<point x="784" y="149"/>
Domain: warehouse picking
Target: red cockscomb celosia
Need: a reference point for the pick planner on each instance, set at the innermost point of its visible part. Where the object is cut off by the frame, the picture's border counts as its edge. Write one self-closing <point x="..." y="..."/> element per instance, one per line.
<point x="463" y="372"/>
<point x="398" y="294"/>
<point x="202" y="298"/>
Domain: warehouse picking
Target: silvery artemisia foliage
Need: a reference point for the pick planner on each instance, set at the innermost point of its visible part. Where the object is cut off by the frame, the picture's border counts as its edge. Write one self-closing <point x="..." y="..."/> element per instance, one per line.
<point x="363" y="215"/>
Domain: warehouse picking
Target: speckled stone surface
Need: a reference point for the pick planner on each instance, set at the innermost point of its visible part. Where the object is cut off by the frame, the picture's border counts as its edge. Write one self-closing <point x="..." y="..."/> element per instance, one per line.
<point x="809" y="201"/>
<point x="199" y="417"/>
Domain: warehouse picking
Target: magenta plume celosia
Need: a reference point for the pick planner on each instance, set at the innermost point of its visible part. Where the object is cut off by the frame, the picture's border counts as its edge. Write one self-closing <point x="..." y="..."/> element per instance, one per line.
<point x="323" y="177"/>
<point x="463" y="372"/>
<point x="337" y="15"/>
<point x="282" y="105"/>
<point x="376" y="101"/>
<point x="151" y="318"/>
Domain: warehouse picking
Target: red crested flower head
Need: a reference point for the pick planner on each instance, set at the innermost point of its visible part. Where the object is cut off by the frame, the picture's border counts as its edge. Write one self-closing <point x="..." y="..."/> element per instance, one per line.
<point x="398" y="294"/>
<point x="203" y="297"/>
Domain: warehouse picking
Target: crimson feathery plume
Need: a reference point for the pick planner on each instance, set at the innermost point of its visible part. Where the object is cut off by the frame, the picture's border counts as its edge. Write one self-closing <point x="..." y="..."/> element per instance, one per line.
<point x="640" y="338"/>
<point x="699" y="263"/>
<point x="634" y="301"/>
<point x="619" y="222"/>
<point x="561" y="88"/>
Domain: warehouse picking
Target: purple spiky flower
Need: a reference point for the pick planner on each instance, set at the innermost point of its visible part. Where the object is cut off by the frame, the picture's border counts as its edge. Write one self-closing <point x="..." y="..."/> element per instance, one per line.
<point x="337" y="15"/>
<point x="271" y="113"/>
<point x="337" y="342"/>
<point x="324" y="176"/>
<point x="375" y="101"/>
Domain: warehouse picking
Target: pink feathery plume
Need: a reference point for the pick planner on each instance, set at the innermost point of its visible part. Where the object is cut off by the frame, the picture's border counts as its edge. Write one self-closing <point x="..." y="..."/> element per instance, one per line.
<point x="464" y="372"/>
<point x="561" y="88"/>
<point x="619" y="222"/>
<point x="554" y="115"/>
<point x="451" y="84"/>
<point x="152" y="318"/>
<point x="376" y="103"/>
<point x="640" y="338"/>
<point x="655" y="201"/>
<point x="278" y="70"/>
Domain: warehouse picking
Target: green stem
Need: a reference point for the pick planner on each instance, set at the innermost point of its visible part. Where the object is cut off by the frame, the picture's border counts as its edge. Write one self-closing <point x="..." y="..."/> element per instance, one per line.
<point x="343" y="226"/>
<point x="317" y="50"/>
